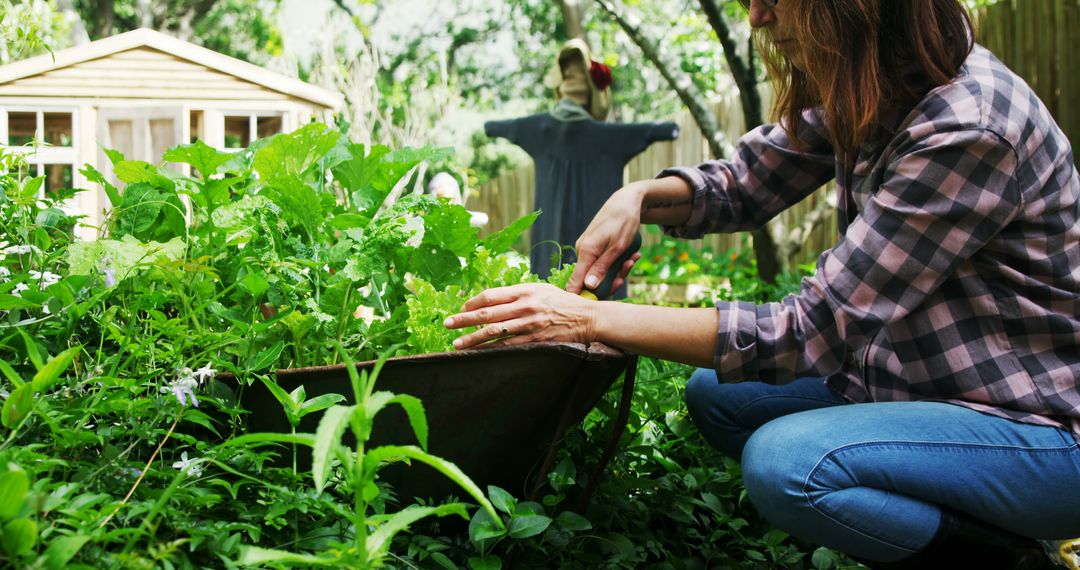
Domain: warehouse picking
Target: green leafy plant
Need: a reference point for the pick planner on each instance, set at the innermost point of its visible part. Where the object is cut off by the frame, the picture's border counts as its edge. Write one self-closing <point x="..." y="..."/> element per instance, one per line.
<point x="373" y="534"/>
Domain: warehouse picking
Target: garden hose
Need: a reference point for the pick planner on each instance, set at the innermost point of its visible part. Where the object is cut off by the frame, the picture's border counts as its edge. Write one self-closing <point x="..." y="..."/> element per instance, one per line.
<point x="603" y="290"/>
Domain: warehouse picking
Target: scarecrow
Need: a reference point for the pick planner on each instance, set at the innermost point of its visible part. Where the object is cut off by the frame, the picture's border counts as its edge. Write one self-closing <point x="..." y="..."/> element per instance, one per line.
<point x="579" y="157"/>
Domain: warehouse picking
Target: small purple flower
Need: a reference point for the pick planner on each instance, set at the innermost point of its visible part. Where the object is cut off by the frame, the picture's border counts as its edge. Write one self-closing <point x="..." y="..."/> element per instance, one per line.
<point x="110" y="276"/>
<point x="183" y="387"/>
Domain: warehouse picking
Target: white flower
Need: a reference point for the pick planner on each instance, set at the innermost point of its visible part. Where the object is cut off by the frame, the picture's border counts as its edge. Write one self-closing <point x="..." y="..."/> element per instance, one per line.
<point x="183" y="387"/>
<point x="45" y="278"/>
<point x="19" y="288"/>
<point x="205" y="373"/>
<point x="21" y="249"/>
<point x="4" y="272"/>
<point x="45" y="309"/>
<point x="188" y="466"/>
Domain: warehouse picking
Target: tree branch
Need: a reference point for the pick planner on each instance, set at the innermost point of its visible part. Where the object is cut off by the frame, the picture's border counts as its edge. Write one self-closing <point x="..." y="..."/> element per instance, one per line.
<point x="684" y="87"/>
<point x="741" y="69"/>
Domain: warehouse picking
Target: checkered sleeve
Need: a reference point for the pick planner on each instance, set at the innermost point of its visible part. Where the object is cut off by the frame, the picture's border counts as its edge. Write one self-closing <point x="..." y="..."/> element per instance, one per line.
<point x="769" y="173"/>
<point x="941" y="199"/>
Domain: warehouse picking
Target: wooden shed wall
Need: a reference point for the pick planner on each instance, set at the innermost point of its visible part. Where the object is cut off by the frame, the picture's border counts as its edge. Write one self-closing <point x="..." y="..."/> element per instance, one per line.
<point x="141" y="73"/>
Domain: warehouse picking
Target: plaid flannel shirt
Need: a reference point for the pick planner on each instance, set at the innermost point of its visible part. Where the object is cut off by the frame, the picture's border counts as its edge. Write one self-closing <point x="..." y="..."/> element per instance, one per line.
<point x="956" y="276"/>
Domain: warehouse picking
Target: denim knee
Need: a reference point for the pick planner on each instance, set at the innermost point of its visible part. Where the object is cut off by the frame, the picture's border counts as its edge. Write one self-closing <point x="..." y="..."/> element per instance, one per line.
<point x="699" y="393"/>
<point x="776" y="461"/>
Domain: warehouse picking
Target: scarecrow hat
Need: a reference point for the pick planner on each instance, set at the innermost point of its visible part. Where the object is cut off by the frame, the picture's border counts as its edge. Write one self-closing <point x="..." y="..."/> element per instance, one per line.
<point x="583" y="80"/>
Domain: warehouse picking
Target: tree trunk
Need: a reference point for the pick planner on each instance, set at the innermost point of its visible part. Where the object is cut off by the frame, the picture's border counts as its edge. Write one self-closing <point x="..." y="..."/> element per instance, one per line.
<point x="765" y="250"/>
<point x="764" y="245"/>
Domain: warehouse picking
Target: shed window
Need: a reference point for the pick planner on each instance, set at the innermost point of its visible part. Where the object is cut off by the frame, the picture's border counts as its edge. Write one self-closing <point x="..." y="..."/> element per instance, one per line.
<point x="197" y="124"/>
<point x="52" y="128"/>
<point x="22" y="127"/>
<point x="242" y="130"/>
<point x="237" y="132"/>
<point x="57" y="128"/>
<point x="267" y="126"/>
<point x="58" y="176"/>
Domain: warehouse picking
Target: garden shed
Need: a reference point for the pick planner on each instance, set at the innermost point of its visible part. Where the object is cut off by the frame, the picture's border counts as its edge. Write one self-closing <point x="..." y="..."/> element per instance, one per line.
<point x="142" y="92"/>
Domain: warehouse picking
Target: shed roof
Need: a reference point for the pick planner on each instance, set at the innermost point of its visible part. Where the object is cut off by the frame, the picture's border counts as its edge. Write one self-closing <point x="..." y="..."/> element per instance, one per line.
<point x="146" y="38"/>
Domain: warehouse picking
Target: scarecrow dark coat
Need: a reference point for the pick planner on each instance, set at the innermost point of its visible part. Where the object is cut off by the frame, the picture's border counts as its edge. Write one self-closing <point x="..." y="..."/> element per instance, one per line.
<point x="579" y="164"/>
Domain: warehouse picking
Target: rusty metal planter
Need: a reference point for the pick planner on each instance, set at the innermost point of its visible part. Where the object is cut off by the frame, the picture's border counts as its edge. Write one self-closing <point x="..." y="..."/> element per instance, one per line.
<point x="497" y="412"/>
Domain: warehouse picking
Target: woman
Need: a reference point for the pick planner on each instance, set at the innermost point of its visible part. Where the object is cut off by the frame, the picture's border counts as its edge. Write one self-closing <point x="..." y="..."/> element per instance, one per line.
<point x="916" y="403"/>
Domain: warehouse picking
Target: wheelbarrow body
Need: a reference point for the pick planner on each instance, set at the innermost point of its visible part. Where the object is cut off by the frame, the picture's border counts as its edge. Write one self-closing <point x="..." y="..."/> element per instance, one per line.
<point x="497" y="412"/>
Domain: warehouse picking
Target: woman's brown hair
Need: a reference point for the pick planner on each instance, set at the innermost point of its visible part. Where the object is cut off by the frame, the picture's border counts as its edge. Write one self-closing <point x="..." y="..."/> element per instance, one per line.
<point x="864" y="59"/>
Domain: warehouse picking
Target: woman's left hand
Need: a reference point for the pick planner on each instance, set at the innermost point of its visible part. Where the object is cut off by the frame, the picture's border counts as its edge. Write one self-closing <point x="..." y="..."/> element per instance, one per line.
<point x="524" y="313"/>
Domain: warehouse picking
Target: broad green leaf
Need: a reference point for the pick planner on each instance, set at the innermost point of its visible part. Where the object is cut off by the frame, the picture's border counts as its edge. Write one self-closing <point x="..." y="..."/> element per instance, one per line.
<point x="438" y="266"/>
<point x="215" y="191"/>
<point x="327" y="438"/>
<point x="125" y="257"/>
<point x="14" y="485"/>
<point x="266" y="357"/>
<point x="572" y="521"/>
<point x="268" y="438"/>
<point x="115" y="156"/>
<point x="484" y="526"/>
<point x="93" y="175"/>
<point x="291" y="408"/>
<point x="63" y="549"/>
<point x="145" y="207"/>
<point x="31" y="188"/>
<point x="292" y="154"/>
<point x="320" y="402"/>
<point x="448" y="227"/>
<point x="12" y="376"/>
<point x="298" y="202"/>
<point x="369" y="176"/>
<point x="529" y="525"/>
<point x="378" y="542"/>
<point x="523" y="527"/>
<point x="33" y="352"/>
<point x="205" y="158"/>
<point x="505" y="238"/>
<point x="502" y="500"/>
<point x="489" y="562"/>
<point x="199" y="418"/>
<point x="57" y="365"/>
<point x="19" y="536"/>
<point x="377" y="456"/>
<point x="349" y="221"/>
<point x="138" y="171"/>
<point x="254" y="284"/>
<point x="9" y="302"/>
<point x="357" y="173"/>
<point x="253" y="555"/>
<point x="413" y="407"/>
<point x="17" y="406"/>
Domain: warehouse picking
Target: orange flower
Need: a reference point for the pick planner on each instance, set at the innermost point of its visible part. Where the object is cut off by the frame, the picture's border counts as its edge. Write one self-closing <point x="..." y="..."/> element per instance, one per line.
<point x="684" y="256"/>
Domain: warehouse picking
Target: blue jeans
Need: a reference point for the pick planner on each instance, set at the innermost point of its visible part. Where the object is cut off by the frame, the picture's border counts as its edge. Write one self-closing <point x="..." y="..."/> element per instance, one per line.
<point x="870" y="479"/>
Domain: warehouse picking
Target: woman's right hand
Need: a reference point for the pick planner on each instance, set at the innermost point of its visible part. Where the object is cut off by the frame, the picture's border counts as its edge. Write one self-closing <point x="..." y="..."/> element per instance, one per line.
<point x="609" y="235"/>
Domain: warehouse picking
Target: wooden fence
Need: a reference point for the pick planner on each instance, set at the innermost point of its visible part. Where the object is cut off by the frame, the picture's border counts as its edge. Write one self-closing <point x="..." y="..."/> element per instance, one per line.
<point x="1039" y="39"/>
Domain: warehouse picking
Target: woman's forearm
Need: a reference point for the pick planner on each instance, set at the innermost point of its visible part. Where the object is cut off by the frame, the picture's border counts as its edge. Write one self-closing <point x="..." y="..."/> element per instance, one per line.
<point x="666" y="201"/>
<point x="672" y="333"/>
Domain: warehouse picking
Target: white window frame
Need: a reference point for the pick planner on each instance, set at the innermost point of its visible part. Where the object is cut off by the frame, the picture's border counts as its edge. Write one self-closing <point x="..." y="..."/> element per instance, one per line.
<point x="253" y="124"/>
<point x="40" y="155"/>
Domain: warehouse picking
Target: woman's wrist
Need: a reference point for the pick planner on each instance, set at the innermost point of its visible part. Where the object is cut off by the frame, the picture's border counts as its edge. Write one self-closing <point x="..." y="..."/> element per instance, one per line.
<point x="667" y="201"/>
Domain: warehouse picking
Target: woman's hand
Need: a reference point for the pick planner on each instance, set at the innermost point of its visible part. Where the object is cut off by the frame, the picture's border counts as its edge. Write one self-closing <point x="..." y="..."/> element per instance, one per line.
<point x="530" y="312"/>
<point x="607" y="237"/>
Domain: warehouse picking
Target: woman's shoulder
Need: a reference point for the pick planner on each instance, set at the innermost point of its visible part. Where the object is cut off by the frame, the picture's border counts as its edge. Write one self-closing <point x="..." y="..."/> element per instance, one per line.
<point x="984" y="95"/>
